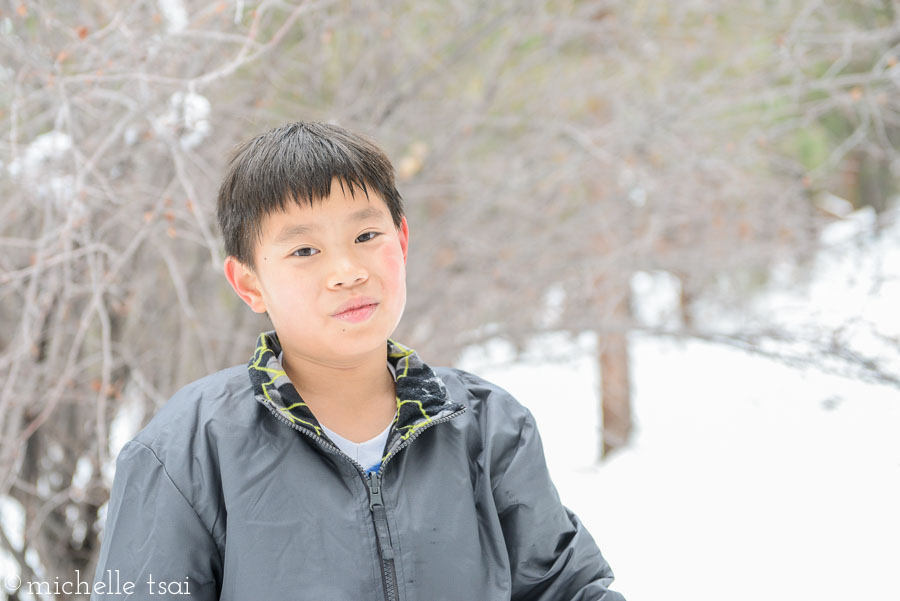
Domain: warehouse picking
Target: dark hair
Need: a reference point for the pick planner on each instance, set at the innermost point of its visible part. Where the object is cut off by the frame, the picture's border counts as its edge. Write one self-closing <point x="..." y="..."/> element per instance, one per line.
<point x="297" y="163"/>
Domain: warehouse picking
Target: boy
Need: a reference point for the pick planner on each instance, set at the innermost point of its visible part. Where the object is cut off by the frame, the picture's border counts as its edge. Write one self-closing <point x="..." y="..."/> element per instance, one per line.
<point x="336" y="466"/>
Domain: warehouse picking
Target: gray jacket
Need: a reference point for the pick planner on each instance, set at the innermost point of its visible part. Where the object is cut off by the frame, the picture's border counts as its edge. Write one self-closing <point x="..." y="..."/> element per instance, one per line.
<point x="234" y="492"/>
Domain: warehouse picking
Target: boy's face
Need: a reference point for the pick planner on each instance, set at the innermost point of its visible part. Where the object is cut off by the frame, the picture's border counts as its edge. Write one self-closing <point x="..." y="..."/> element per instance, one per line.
<point x="315" y="263"/>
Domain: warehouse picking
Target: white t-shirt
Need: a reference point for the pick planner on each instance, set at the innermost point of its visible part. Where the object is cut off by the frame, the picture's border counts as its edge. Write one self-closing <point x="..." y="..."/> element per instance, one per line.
<point x="368" y="453"/>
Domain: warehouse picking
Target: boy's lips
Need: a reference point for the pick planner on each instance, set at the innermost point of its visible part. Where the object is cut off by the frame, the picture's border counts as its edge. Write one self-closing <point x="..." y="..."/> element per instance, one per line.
<point x="356" y="309"/>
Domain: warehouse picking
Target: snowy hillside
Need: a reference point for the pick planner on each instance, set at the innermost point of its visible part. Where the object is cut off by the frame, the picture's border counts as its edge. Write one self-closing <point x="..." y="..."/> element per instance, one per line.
<point x="746" y="479"/>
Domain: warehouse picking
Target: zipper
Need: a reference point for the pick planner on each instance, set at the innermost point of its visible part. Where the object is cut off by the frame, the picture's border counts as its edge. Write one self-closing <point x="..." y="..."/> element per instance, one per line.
<point x="317" y="439"/>
<point x="383" y="534"/>
<point x="379" y="515"/>
<point x="376" y="503"/>
<point x="417" y="433"/>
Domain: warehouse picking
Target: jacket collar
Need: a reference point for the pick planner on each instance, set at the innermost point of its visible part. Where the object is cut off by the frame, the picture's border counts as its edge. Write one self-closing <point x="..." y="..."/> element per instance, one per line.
<point x="421" y="397"/>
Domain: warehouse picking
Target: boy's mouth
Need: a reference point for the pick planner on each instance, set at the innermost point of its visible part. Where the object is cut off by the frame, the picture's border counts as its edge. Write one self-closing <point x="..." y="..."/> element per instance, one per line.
<point x="356" y="310"/>
<point x="357" y="315"/>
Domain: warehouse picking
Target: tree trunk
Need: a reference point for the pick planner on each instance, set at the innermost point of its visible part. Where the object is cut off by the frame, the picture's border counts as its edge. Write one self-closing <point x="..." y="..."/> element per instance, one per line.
<point x="615" y="384"/>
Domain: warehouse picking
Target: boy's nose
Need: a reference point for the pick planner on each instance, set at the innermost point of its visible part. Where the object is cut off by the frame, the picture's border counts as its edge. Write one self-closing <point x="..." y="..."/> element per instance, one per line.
<point x="347" y="273"/>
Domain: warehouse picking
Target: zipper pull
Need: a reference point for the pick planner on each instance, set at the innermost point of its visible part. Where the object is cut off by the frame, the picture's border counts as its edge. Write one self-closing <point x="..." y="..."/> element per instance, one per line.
<point x="374" y="491"/>
<point x="376" y="506"/>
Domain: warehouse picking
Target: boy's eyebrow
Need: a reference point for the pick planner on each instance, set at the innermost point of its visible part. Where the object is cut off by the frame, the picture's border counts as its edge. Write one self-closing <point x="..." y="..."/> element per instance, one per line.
<point x="290" y="232"/>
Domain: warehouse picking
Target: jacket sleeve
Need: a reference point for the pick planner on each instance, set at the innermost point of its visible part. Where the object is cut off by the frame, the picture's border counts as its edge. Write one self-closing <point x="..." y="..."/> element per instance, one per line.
<point x="152" y="536"/>
<point x="552" y="556"/>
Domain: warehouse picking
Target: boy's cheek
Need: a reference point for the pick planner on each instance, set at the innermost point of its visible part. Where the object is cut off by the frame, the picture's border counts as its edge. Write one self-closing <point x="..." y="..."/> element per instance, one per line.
<point x="392" y="258"/>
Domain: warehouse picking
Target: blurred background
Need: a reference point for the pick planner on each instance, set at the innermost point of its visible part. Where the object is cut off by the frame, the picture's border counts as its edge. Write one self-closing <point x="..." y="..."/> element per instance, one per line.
<point x="670" y="228"/>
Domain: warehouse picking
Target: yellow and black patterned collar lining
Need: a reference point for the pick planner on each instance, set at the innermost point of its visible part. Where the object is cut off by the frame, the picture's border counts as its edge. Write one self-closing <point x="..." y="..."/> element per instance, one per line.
<point x="421" y="395"/>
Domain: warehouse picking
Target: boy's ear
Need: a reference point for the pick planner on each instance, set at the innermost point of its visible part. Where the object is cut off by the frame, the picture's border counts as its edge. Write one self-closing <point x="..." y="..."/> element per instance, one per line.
<point x="403" y="232"/>
<point x="245" y="283"/>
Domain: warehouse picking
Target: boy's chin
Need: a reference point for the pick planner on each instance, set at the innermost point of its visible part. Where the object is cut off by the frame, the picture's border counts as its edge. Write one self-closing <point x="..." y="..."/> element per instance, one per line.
<point x="358" y="345"/>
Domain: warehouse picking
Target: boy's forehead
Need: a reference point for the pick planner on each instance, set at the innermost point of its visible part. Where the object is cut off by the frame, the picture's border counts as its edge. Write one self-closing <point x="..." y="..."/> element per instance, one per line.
<point x="303" y="216"/>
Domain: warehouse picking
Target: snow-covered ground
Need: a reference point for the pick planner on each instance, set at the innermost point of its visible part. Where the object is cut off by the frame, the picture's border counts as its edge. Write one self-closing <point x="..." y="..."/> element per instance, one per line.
<point x="746" y="478"/>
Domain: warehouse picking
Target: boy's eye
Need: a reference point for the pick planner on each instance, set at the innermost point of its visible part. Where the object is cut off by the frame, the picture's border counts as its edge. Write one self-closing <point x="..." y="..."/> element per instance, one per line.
<point x="366" y="236"/>
<point x="306" y="251"/>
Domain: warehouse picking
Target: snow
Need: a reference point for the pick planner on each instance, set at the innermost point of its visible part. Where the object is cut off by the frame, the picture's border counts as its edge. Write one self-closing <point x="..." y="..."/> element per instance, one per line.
<point x="45" y="147"/>
<point x="186" y="118"/>
<point x="175" y="14"/>
<point x="12" y="519"/>
<point x="745" y="478"/>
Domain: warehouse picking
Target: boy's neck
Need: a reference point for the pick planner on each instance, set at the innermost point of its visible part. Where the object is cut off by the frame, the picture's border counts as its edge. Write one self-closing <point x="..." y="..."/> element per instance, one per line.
<point x="356" y="401"/>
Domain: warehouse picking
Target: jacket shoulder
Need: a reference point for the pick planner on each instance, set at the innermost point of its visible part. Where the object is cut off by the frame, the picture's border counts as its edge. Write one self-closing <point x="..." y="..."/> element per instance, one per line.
<point x="187" y="436"/>
<point x="198" y="404"/>
<point x="185" y="439"/>
<point x="480" y="395"/>
<point x="495" y="424"/>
